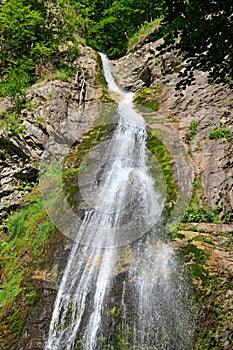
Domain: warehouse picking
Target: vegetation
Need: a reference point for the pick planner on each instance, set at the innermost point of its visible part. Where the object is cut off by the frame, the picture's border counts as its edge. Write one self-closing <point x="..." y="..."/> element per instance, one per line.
<point x="113" y="23"/>
<point x="148" y="97"/>
<point x="156" y="147"/>
<point x="202" y="31"/>
<point x="33" y="33"/>
<point x="22" y="249"/>
<point x="219" y="133"/>
<point x="211" y="215"/>
<point x="144" y="31"/>
<point x="193" y="129"/>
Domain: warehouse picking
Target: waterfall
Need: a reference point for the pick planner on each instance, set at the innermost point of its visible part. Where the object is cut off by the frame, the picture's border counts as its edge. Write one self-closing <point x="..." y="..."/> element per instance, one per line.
<point x="122" y="289"/>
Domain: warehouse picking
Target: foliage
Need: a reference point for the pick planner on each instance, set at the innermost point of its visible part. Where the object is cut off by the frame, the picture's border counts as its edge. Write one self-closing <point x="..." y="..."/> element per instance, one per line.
<point x="210" y="285"/>
<point x="219" y="133"/>
<point x="64" y="73"/>
<point x="25" y="238"/>
<point x="202" y="30"/>
<point x="31" y="34"/>
<point x="193" y="129"/>
<point x="156" y="146"/>
<point x="28" y="230"/>
<point x="114" y="22"/>
<point x="148" y="97"/>
<point x="210" y="215"/>
<point x="144" y="31"/>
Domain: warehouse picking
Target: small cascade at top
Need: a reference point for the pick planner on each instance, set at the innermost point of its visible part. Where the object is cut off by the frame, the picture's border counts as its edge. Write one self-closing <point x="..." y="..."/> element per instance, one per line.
<point x="122" y="289"/>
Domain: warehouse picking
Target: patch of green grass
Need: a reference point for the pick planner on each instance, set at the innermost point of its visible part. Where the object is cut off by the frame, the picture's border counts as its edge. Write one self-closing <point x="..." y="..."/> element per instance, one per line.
<point x="23" y="248"/>
<point x="28" y="230"/>
<point x="220" y="133"/>
<point x="145" y="30"/>
<point x="12" y="123"/>
<point x="208" y="240"/>
<point x="157" y="147"/>
<point x="193" y="129"/>
<point x="148" y="97"/>
<point x="12" y="289"/>
<point x="197" y="183"/>
<point x="64" y="73"/>
<point x="14" y="82"/>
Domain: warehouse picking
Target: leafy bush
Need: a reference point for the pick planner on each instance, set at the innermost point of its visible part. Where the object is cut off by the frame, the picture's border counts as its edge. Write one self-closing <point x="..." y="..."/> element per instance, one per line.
<point x="14" y="81"/>
<point x="193" y="129"/>
<point x="220" y="133"/>
<point x="210" y="215"/>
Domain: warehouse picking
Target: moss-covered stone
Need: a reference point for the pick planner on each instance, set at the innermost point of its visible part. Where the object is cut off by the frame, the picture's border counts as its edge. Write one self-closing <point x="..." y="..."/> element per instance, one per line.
<point x="148" y="97"/>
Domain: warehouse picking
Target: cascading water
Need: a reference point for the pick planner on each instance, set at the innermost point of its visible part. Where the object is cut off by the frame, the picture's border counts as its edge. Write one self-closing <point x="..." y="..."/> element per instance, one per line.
<point x="122" y="289"/>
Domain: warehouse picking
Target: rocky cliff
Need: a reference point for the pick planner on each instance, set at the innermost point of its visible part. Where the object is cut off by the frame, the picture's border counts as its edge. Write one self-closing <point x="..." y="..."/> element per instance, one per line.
<point x="55" y="106"/>
<point x="196" y="127"/>
<point x="197" y="113"/>
<point x="201" y="119"/>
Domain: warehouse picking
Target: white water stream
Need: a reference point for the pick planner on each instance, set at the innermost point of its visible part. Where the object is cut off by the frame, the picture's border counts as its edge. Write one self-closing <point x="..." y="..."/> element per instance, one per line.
<point x="114" y="296"/>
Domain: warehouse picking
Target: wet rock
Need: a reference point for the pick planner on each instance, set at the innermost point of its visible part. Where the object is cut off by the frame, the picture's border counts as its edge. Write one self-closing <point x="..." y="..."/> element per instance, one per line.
<point x="210" y="106"/>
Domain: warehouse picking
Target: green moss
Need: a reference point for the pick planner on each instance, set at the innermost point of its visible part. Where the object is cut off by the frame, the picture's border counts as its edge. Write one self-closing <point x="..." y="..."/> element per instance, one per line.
<point x="148" y="97"/>
<point x="210" y="288"/>
<point x="26" y="235"/>
<point x="157" y="148"/>
<point x="73" y="161"/>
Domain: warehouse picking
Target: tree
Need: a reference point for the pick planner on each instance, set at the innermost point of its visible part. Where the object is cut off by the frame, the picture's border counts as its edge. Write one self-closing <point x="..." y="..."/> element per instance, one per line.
<point x="21" y="27"/>
<point x="114" y="22"/>
<point x="202" y="30"/>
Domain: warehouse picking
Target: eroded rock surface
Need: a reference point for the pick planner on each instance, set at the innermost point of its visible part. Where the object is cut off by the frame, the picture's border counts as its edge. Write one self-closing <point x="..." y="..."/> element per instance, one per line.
<point x="56" y="107"/>
<point x="191" y="116"/>
<point x="60" y="111"/>
<point x="207" y="106"/>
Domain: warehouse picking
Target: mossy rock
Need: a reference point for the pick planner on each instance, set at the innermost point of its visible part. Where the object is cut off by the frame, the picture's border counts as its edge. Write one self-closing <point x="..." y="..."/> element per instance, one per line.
<point x="149" y="98"/>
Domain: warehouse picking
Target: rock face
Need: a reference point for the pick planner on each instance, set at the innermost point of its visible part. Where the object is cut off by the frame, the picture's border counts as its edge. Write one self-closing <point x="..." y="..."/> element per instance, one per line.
<point x="196" y="111"/>
<point x="56" y="107"/>
<point x="187" y="118"/>
<point x="201" y="119"/>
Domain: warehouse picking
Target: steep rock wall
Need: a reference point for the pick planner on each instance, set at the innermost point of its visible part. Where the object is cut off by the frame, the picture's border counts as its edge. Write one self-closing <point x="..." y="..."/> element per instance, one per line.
<point x="207" y="106"/>
<point x="56" y="107"/>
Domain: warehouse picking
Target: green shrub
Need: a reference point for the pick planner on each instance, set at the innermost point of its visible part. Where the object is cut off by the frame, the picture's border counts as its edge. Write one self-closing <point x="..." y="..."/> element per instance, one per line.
<point x="193" y="129"/>
<point x="220" y="133"/>
<point x="14" y="81"/>
<point x="210" y="215"/>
